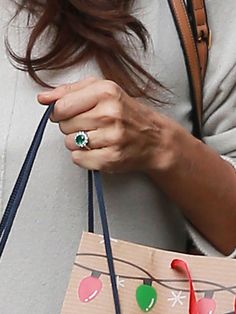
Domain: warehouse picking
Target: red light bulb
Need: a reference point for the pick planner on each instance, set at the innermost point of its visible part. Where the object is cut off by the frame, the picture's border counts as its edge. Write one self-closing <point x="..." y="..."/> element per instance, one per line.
<point x="89" y="287"/>
<point x="206" y="306"/>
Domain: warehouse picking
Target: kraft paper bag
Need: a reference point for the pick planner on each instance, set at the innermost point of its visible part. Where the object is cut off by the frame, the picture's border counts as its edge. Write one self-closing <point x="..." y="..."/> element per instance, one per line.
<point x="146" y="281"/>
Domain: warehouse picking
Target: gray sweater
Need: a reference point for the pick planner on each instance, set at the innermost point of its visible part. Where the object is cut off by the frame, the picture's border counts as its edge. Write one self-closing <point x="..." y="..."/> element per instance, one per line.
<point x="39" y="255"/>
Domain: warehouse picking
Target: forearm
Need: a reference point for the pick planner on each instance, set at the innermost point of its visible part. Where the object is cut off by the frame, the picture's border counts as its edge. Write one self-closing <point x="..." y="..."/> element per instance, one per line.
<point x="204" y="187"/>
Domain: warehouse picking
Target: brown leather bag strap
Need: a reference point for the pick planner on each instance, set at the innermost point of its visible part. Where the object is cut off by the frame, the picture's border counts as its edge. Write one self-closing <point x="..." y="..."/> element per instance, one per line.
<point x="201" y="31"/>
<point x="195" y="53"/>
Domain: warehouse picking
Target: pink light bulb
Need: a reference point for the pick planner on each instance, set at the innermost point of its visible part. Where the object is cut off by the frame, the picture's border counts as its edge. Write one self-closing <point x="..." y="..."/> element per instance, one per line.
<point x="206" y="306"/>
<point x="89" y="287"/>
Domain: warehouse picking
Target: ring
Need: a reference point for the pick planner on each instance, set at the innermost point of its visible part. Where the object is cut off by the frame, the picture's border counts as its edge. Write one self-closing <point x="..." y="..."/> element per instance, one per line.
<point x="82" y="139"/>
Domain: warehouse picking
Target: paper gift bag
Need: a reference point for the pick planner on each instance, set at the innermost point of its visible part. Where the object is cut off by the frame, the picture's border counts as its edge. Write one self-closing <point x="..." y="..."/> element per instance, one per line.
<point x="111" y="276"/>
<point x="146" y="282"/>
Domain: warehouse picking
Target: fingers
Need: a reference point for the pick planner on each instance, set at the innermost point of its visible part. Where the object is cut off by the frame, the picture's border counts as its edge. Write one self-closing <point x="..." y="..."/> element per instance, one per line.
<point x="90" y="160"/>
<point x="85" y="99"/>
<point x="94" y="106"/>
<point x="57" y="93"/>
<point x="104" y="114"/>
<point x="83" y="122"/>
<point x="97" y="159"/>
<point x="99" y="138"/>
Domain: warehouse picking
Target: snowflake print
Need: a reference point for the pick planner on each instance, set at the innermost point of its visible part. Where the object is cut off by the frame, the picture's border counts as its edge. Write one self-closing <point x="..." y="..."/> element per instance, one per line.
<point x="176" y="298"/>
<point x="120" y="282"/>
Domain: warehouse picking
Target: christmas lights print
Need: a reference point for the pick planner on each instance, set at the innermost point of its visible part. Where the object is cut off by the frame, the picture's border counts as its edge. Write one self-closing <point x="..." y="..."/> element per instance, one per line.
<point x="90" y="287"/>
<point x="147" y="295"/>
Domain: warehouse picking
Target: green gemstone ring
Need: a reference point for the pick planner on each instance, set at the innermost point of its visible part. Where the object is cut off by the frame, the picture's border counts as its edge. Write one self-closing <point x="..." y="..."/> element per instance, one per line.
<point x="81" y="139"/>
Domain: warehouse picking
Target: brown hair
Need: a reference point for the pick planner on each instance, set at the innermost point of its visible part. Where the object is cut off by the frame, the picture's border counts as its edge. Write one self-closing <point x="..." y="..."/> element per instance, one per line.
<point x="86" y="29"/>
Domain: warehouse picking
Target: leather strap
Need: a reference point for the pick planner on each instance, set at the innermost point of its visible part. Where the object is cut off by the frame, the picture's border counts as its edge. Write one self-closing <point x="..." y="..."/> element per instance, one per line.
<point x="195" y="51"/>
<point x="201" y="31"/>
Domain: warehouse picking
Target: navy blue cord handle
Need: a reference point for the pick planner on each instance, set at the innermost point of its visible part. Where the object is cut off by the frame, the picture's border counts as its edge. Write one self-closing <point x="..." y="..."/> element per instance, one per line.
<point x="102" y="210"/>
<point x="21" y="182"/>
<point x="19" y="189"/>
<point x="90" y="203"/>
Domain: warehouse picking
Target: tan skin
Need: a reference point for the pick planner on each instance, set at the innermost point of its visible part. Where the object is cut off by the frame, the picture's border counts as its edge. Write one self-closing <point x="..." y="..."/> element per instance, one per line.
<point x="125" y="136"/>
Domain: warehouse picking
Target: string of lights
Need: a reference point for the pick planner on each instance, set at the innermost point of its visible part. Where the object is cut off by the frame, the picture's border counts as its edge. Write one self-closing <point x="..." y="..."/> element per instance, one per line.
<point x="146" y="294"/>
<point x="161" y="282"/>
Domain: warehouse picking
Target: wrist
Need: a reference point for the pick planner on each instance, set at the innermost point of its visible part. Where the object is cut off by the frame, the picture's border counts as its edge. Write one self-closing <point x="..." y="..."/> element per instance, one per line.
<point x="175" y="152"/>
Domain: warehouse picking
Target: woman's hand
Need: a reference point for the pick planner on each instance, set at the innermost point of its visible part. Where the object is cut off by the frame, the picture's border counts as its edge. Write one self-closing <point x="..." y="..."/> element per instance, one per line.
<point x="124" y="135"/>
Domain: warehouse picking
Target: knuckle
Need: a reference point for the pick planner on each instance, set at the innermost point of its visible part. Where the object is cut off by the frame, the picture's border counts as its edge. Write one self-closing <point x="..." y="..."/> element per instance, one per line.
<point x="116" y="110"/>
<point x="92" y="79"/>
<point x="119" y="134"/>
<point x="75" y="157"/>
<point x="63" y="90"/>
<point x="112" y="111"/>
<point x="59" y="109"/>
<point x="53" y="118"/>
<point x="67" y="142"/>
<point x="111" y="89"/>
<point x="66" y="88"/>
<point x="106" y="162"/>
<point x="111" y="161"/>
<point x="63" y="127"/>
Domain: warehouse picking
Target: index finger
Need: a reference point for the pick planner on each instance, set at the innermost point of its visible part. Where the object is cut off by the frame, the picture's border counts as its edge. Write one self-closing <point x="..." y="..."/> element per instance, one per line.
<point x="52" y="95"/>
<point x="85" y="99"/>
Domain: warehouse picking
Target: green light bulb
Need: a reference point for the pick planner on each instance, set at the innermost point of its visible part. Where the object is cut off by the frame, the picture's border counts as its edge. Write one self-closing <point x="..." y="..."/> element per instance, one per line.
<point x="146" y="296"/>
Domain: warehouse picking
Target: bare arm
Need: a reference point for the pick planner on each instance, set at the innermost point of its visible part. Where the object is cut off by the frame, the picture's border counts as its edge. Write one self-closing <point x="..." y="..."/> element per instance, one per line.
<point x="204" y="186"/>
